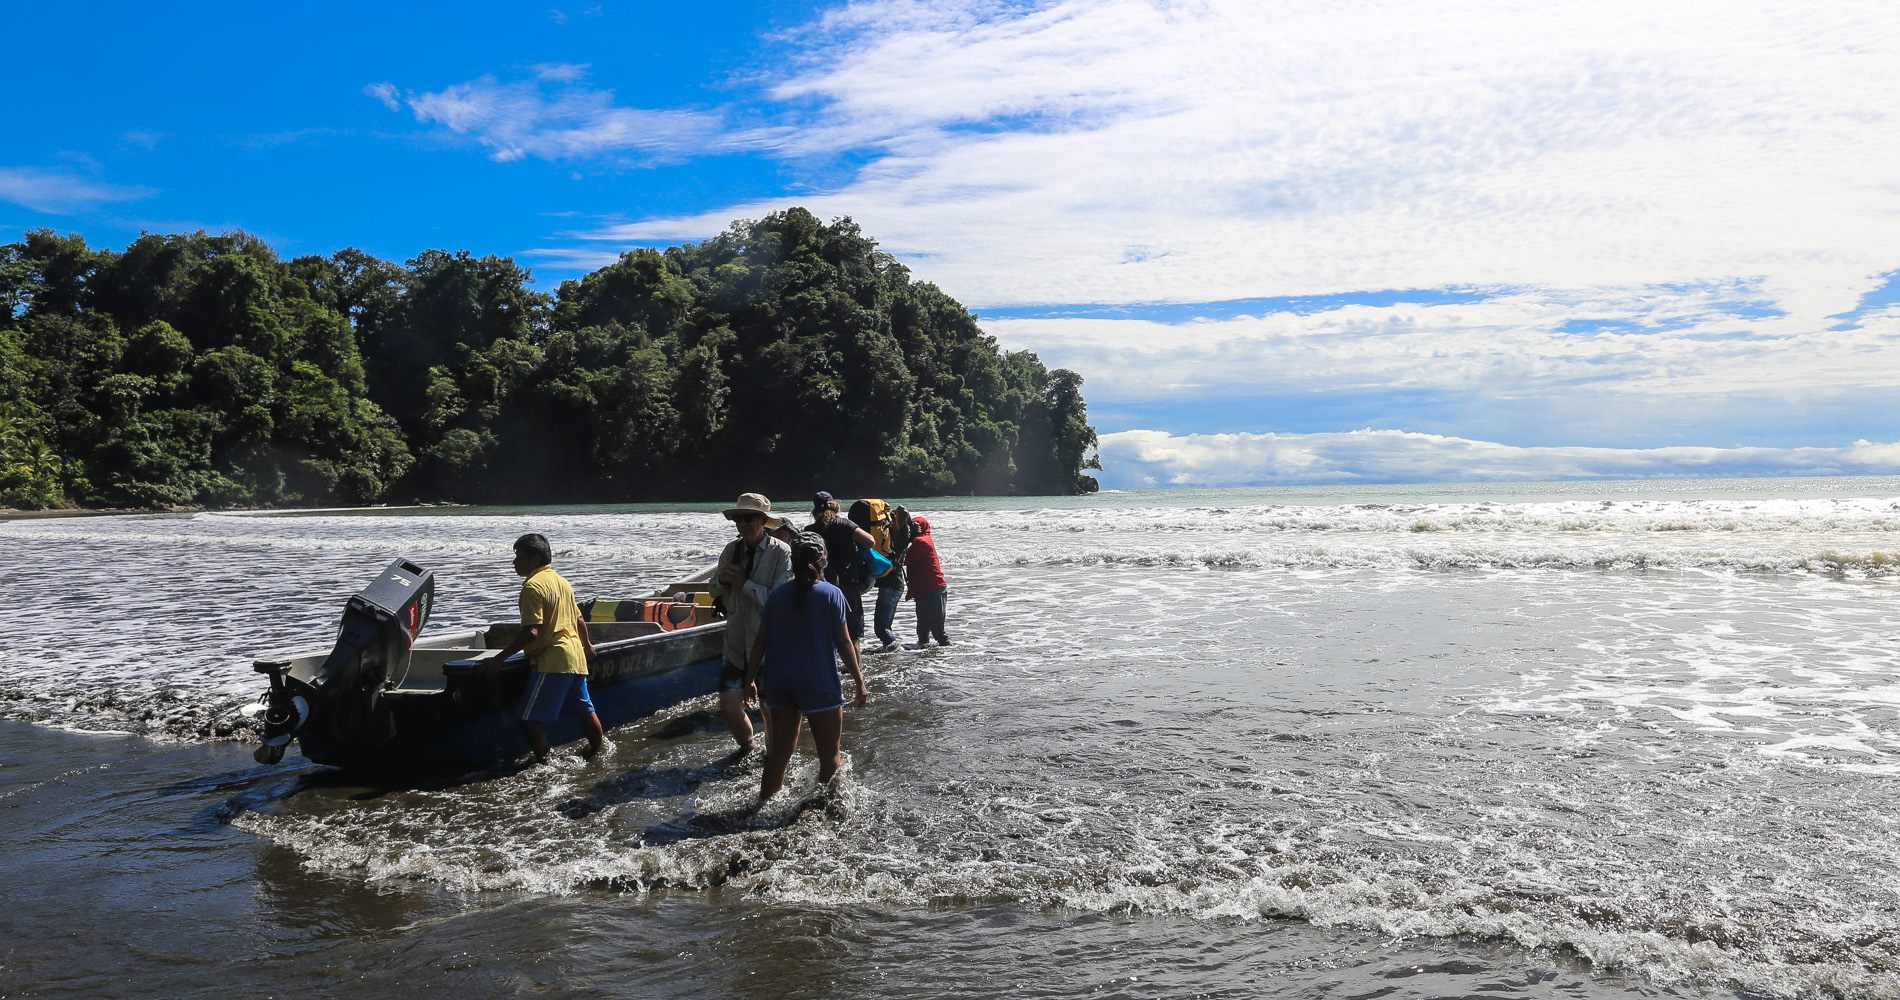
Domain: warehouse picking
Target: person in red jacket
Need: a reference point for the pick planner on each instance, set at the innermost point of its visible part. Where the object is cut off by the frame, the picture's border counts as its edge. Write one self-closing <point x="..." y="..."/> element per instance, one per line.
<point x="925" y="584"/>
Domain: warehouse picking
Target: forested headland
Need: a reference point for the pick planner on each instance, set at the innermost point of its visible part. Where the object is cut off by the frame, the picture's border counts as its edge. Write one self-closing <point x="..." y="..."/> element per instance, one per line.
<point x="784" y="355"/>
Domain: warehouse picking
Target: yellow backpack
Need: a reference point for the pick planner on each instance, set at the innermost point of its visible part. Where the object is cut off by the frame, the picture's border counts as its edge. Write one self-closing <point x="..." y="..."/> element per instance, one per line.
<point x="874" y="516"/>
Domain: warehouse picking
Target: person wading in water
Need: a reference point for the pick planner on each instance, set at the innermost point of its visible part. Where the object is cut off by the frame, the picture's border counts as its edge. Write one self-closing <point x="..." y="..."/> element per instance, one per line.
<point x="802" y="628"/>
<point x="554" y="635"/>
<point x="843" y="539"/>
<point x="751" y="565"/>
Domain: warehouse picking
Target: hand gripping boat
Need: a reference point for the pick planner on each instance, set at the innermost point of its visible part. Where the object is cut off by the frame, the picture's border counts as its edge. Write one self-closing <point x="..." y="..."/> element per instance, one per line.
<point x="386" y="695"/>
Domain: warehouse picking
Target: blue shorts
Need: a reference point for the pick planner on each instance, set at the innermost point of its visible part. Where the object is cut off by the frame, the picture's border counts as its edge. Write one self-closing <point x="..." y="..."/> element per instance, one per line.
<point x="804" y="701"/>
<point x="550" y="696"/>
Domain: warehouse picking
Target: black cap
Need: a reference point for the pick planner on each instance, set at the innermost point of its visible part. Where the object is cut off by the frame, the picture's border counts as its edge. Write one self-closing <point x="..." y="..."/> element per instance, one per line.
<point x="808" y="546"/>
<point x="821" y="499"/>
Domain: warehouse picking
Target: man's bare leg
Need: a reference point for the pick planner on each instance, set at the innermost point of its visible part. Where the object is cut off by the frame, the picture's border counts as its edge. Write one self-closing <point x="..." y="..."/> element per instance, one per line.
<point x="537" y="738"/>
<point x="781" y="739"/>
<point x="827" y="728"/>
<point x="596" y="737"/>
<point x="732" y="706"/>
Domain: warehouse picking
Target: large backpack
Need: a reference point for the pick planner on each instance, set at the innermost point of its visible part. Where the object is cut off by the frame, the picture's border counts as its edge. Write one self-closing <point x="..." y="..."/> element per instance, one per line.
<point x="874" y="516"/>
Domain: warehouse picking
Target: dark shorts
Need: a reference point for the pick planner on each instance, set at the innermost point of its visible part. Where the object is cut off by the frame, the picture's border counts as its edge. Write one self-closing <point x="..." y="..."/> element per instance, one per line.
<point x="550" y="696"/>
<point x="731" y="678"/>
<point x="804" y="701"/>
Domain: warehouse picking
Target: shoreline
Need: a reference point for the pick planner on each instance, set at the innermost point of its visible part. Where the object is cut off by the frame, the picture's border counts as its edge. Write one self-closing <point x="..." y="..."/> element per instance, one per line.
<point x="10" y="514"/>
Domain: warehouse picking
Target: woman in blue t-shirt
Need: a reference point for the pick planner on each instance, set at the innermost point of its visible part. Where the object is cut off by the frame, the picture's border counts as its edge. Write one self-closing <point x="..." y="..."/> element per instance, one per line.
<point x="802" y="625"/>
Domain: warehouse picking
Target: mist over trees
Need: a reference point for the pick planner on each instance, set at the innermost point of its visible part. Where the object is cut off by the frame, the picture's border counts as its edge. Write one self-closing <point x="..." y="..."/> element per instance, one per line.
<point x="784" y="355"/>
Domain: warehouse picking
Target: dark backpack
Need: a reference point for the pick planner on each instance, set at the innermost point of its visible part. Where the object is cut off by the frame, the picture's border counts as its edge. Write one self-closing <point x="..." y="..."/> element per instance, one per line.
<point x="849" y="570"/>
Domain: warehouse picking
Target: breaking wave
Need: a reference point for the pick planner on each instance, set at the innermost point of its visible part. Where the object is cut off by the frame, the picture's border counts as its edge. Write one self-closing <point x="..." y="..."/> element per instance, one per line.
<point x="1202" y="846"/>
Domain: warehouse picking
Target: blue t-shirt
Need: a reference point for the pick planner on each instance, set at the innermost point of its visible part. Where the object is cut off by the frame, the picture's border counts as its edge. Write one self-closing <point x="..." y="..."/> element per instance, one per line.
<point x="800" y="654"/>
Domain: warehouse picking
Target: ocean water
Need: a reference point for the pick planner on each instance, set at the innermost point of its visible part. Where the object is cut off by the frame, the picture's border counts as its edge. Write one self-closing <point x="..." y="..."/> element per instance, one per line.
<point x="1528" y="740"/>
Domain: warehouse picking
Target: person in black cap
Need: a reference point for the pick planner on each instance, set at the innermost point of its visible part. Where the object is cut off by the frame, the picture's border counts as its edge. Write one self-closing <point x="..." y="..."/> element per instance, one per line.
<point x="843" y="539"/>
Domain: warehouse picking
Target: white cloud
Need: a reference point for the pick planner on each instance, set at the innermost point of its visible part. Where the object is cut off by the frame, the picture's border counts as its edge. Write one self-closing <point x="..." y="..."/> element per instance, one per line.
<point x="1665" y="206"/>
<point x="1654" y="341"/>
<point x="561" y="72"/>
<point x="520" y="119"/>
<point x="1141" y="458"/>
<point x="1119" y="150"/>
<point x="58" y="193"/>
<point x="387" y="93"/>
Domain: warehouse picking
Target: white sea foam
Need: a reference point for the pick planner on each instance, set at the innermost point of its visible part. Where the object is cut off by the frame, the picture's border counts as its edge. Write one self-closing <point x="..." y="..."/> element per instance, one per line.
<point x="555" y="830"/>
<point x="1859" y="536"/>
<point x="1659" y="734"/>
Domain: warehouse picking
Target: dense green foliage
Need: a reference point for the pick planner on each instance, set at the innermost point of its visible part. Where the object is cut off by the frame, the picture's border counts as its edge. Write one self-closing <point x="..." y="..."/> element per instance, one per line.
<point x="784" y="355"/>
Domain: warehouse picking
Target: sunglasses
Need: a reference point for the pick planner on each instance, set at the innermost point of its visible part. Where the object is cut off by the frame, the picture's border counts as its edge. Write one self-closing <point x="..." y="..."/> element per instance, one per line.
<point x="748" y="518"/>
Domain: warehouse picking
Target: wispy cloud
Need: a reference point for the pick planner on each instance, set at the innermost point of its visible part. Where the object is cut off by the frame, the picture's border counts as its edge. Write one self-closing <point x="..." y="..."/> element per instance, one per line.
<point x="1135" y="459"/>
<point x="1667" y="210"/>
<point x="560" y="72"/>
<point x="1704" y="339"/>
<point x="288" y="137"/>
<point x="1123" y="150"/>
<point x="387" y="93"/>
<point x="142" y="137"/>
<point x="61" y="193"/>
<point x="574" y="258"/>
<point x="561" y="17"/>
<point x="570" y="122"/>
<point x="1662" y="208"/>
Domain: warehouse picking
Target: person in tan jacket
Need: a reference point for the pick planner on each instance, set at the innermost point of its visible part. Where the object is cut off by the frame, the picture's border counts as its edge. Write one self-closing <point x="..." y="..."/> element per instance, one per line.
<point x="750" y="566"/>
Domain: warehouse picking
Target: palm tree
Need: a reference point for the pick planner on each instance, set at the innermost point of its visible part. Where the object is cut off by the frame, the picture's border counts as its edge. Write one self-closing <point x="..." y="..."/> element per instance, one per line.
<point x="10" y="437"/>
<point x="41" y="459"/>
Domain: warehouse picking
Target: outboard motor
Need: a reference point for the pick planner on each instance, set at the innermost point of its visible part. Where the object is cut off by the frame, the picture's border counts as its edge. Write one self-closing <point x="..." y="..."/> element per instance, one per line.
<point x="344" y="691"/>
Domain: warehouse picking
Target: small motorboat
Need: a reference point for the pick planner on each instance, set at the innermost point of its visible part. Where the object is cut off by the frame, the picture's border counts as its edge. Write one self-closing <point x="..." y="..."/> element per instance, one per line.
<point x="385" y="695"/>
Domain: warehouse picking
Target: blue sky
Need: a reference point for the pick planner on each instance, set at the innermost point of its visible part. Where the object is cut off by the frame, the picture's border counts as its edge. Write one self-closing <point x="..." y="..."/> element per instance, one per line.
<point x="256" y="116"/>
<point x="1511" y="241"/>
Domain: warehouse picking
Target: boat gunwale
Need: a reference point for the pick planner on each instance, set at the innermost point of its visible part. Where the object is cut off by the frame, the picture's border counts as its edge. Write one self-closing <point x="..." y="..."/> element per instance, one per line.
<point x="601" y="649"/>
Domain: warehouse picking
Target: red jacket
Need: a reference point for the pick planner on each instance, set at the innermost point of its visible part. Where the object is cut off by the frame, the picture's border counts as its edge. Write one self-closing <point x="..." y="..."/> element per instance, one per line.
<point x="920" y="561"/>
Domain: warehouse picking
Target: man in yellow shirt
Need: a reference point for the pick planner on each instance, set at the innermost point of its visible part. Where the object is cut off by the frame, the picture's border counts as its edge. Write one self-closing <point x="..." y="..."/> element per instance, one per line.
<point x="554" y="635"/>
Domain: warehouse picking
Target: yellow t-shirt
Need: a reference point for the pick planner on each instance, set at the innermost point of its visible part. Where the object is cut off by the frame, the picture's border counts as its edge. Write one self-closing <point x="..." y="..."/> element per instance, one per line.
<point x="548" y="601"/>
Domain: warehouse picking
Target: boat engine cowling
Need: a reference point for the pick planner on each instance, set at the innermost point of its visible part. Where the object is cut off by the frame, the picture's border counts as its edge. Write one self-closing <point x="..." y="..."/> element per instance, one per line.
<point x="344" y="692"/>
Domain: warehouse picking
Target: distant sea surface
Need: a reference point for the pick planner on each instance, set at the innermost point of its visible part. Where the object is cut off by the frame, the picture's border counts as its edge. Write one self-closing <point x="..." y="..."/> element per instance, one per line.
<point x="1524" y="740"/>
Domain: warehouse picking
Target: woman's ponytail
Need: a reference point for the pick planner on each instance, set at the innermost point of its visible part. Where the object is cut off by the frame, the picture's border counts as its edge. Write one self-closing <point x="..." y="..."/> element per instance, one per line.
<point x="808" y="565"/>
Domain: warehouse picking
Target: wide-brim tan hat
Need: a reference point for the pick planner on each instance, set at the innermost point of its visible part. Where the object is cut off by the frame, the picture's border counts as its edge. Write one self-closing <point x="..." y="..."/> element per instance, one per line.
<point x="754" y="503"/>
